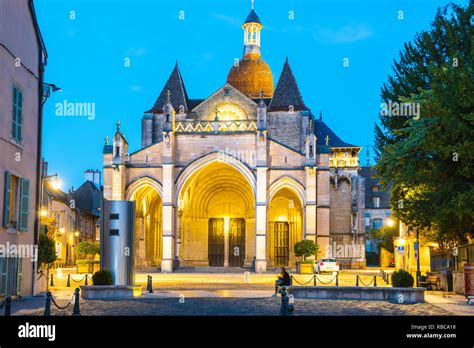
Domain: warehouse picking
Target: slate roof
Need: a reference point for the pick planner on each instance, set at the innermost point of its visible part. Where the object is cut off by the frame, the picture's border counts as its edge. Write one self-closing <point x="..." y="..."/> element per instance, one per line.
<point x="372" y="180"/>
<point x="321" y="130"/>
<point x="287" y="92"/>
<point x="108" y="149"/>
<point x="178" y="96"/>
<point x="252" y="18"/>
<point x="87" y="198"/>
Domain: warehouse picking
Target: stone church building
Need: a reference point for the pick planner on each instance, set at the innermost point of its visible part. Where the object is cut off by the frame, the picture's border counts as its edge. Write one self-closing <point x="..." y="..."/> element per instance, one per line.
<point x="237" y="178"/>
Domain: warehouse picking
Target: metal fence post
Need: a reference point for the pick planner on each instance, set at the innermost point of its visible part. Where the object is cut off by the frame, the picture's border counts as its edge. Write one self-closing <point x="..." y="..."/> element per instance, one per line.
<point x="87" y="276"/>
<point x="76" y="310"/>
<point x="375" y="280"/>
<point x="51" y="283"/>
<point x="68" y="281"/>
<point x="314" y="280"/>
<point x="8" y="306"/>
<point x="357" y="280"/>
<point x="47" y="308"/>
<point x="150" y="282"/>
<point x="337" y="279"/>
<point x="291" y="280"/>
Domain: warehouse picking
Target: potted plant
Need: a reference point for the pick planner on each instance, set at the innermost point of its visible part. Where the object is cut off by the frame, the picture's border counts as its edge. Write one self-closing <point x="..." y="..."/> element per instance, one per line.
<point x="304" y="249"/>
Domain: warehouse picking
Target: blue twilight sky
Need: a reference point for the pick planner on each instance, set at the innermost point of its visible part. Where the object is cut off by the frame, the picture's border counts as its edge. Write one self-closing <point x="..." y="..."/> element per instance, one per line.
<point x="88" y="48"/>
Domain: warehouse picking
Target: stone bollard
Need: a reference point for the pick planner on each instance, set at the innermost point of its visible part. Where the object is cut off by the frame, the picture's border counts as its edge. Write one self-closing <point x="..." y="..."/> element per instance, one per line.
<point x="68" y="281"/>
<point x="47" y="308"/>
<point x="51" y="283"/>
<point x="375" y="280"/>
<point x="357" y="280"/>
<point x="8" y="306"/>
<point x="76" y="310"/>
<point x="246" y="277"/>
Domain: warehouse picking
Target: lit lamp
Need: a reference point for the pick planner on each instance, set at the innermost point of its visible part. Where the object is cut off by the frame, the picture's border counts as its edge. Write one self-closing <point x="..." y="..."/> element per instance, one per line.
<point x="44" y="212"/>
<point x="61" y="230"/>
<point x="390" y="222"/>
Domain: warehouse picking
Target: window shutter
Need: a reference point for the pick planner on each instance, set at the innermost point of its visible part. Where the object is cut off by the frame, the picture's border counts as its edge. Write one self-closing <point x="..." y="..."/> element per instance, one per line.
<point x="6" y="200"/>
<point x="19" y="277"/>
<point x="24" y="203"/>
<point x="3" y="276"/>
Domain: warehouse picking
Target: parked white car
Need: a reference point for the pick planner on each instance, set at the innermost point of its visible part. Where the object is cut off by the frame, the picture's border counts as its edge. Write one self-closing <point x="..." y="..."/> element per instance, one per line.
<point x="326" y="265"/>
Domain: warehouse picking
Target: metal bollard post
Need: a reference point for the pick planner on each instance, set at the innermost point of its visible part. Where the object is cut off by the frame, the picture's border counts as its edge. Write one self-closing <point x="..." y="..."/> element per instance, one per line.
<point x="47" y="308"/>
<point x="51" y="283"/>
<point x="76" y="310"/>
<point x="357" y="280"/>
<point x="314" y="280"/>
<point x="375" y="280"/>
<point x="8" y="306"/>
<point x="68" y="281"/>
<point x="150" y="290"/>
<point x="284" y="301"/>
<point x="291" y="280"/>
<point x="87" y="276"/>
<point x="337" y="279"/>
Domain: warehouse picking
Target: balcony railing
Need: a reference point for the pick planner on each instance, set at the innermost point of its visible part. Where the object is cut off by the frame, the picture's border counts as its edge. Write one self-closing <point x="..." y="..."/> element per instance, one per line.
<point x="216" y="126"/>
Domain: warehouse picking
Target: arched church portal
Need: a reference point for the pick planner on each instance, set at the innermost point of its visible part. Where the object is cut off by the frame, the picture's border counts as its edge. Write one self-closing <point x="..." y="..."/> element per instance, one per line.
<point x="217" y="219"/>
<point x="285" y="227"/>
<point x="148" y="225"/>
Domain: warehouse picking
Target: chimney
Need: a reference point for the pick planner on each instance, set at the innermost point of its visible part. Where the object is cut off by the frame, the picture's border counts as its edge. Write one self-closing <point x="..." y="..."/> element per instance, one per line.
<point x="96" y="177"/>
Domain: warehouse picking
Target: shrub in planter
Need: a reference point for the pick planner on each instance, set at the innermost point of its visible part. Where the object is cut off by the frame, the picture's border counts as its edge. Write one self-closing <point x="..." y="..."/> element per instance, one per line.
<point x="102" y="277"/>
<point x="402" y="279"/>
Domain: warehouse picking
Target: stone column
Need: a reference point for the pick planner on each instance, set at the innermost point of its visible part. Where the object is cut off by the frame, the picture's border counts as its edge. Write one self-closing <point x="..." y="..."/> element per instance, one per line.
<point x="323" y="199"/>
<point x="261" y="202"/>
<point x="168" y="219"/>
<point x="310" y="209"/>
<point x="179" y="215"/>
<point x="261" y="221"/>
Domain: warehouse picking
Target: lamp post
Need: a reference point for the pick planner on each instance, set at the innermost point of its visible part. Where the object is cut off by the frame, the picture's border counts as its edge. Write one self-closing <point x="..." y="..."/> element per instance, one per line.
<point x="41" y="213"/>
<point x="418" y="272"/>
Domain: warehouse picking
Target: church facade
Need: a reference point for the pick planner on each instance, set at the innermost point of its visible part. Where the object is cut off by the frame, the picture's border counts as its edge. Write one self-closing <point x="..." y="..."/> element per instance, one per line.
<point x="236" y="179"/>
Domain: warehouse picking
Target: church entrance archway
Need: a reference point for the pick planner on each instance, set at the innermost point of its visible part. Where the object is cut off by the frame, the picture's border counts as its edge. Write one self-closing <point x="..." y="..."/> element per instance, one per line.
<point x="148" y="233"/>
<point x="217" y="223"/>
<point x="285" y="226"/>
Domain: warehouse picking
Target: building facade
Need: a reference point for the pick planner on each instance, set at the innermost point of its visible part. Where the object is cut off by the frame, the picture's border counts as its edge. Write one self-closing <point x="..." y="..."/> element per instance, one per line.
<point x="237" y="178"/>
<point x="22" y="60"/>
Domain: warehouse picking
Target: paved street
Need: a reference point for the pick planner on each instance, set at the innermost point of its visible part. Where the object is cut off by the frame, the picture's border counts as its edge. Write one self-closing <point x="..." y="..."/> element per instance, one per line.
<point x="233" y="294"/>
<point x="154" y="305"/>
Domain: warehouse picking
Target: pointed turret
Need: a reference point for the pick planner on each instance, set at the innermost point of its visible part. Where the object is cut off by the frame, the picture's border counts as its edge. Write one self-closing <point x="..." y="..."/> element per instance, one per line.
<point x="179" y="96"/>
<point x="287" y="95"/>
<point x="120" y="146"/>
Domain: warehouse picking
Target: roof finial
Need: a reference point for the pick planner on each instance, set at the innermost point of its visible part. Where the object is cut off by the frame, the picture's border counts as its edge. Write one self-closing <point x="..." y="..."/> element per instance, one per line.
<point x="367" y="162"/>
<point x="327" y="140"/>
<point x="320" y="115"/>
<point x="107" y="140"/>
<point x="168" y="96"/>
<point x="253" y="3"/>
<point x="118" y="125"/>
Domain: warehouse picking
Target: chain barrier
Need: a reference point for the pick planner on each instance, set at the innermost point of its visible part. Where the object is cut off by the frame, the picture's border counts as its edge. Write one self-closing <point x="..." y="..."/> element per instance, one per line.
<point x="69" y="278"/>
<point x="373" y="281"/>
<point x="329" y="282"/>
<point x="50" y="299"/>
<point x="297" y="282"/>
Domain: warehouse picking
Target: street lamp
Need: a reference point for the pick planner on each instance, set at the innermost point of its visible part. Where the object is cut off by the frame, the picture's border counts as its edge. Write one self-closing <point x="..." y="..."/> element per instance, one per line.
<point x="47" y="88"/>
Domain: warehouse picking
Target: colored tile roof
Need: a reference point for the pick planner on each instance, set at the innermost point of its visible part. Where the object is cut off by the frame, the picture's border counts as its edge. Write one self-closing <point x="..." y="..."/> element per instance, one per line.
<point x="287" y="92"/>
<point x="178" y="95"/>
<point x="252" y="18"/>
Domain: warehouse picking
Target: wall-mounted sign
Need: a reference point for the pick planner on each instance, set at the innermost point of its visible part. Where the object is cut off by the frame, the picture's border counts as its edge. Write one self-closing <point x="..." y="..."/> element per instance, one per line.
<point x="401" y="249"/>
<point x="469" y="279"/>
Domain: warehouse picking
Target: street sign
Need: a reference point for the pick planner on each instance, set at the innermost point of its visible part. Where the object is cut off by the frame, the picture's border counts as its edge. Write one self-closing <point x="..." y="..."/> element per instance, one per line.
<point x="401" y="249"/>
<point x="415" y="245"/>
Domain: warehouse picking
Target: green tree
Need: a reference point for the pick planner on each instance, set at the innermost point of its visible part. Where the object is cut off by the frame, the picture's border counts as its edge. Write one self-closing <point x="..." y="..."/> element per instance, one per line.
<point x="385" y="235"/>
<point x="428" y="160"/>
<point x="89" y="250"/>
<point x="306" y="248"/>
<point x="46" y="254"/>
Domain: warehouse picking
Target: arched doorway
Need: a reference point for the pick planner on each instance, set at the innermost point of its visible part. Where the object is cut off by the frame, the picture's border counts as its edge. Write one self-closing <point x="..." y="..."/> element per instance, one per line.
<point x="217" y="217"/>
<point x="285" y="227"/>
<point x="148" y="224"/>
